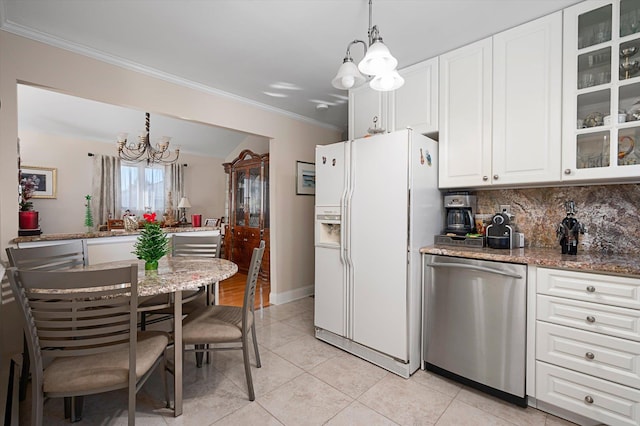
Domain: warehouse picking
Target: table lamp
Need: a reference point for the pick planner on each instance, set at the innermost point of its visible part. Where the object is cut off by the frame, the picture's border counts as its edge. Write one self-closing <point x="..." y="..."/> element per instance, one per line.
<point x="183" y="206"/>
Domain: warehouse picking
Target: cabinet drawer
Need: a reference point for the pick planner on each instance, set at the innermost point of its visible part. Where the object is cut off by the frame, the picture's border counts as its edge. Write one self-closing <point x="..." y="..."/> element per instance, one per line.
<point x="607" y="289"/>
<point x="597" y="399"/>
<point x="606" y="357"/>
<point x="605" y="319"/>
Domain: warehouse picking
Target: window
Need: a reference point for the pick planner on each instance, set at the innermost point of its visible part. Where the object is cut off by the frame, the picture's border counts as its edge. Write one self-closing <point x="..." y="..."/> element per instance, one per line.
<point x="142" y="188"/>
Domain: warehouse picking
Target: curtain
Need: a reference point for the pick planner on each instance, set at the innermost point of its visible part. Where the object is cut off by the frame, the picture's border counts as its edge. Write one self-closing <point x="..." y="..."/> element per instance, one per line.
<point x="106" y="201"/>
<point x="175" y="185"/>
<point x="143" y="188"/>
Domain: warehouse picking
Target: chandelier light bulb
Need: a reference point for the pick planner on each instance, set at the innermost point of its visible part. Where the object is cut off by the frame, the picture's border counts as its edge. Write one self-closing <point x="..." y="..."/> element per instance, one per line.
<point x="387" y="81"/>
<point x="378" y="59"/>
<point x="348" y="81"/>
<point x="348" y="76"/>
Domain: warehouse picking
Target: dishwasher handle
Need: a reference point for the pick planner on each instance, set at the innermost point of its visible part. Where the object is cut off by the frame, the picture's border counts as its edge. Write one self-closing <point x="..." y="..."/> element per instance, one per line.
<point x="474" y="267"/>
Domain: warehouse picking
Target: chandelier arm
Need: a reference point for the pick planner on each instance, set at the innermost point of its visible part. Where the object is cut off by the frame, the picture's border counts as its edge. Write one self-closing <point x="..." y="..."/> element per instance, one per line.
<point x="348" y="56"/>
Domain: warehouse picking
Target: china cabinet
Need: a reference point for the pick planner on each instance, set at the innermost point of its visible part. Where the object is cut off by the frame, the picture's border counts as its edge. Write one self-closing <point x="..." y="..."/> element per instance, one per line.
<point x="248" y="200"/>
<point x="500" y="104"/>
<point x="414" y="105"/>
<point x="601" y="91"/>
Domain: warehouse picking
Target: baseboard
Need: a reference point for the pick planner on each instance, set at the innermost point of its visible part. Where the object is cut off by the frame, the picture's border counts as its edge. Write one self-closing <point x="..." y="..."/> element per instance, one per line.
<point x="290" y="295"/>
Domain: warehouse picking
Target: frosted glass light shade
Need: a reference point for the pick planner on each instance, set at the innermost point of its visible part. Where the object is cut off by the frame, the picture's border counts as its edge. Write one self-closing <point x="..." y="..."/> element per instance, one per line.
<point x="184" y="203"/>
<point x="348" y="76"/>
<point x="378" y="60"/>
<point x="387" y="82"/>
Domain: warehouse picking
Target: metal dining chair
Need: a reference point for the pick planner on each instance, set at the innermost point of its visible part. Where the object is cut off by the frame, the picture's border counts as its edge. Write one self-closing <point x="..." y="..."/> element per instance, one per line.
<point x="81" y="329"/>
<point x="222" y="327"/>
<point x="49" y="258"/>
<point x="185" y="245"/>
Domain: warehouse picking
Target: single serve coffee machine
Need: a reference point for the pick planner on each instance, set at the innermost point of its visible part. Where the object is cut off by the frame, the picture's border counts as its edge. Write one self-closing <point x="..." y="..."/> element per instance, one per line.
<point x="460" y="208"/>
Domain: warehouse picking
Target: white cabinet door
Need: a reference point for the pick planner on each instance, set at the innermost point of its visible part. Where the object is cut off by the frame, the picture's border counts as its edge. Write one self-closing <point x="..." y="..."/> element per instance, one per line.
<point x="527" y="87"/>
<point x="415" y="104"/>
<point x="465" y="116"/>
<point x="365" y="104"/>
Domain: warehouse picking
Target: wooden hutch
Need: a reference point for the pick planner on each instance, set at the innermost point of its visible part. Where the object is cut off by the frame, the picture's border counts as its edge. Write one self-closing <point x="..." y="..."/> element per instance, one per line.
<point x="248" y="197"/>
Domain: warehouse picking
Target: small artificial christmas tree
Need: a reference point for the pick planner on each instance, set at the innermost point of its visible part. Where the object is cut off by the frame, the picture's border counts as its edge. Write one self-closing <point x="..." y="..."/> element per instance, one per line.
<point x="88" y="216"/>
<point x="152" y="243"/>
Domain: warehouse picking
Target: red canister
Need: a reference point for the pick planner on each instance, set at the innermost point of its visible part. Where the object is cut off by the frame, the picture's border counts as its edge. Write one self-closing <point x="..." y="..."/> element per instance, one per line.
<point x="196" y="220"/>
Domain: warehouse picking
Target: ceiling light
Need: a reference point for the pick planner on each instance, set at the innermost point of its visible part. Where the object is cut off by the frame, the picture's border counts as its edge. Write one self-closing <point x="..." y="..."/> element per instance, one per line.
<point x="377" y="62"/>
<point x="276" y="95"/>
<point x="143" y="151"/>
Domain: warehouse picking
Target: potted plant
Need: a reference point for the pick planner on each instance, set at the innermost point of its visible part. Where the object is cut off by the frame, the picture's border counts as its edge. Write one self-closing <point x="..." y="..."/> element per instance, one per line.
<point x="152" y="243"/>
<point x="27" y="218"/>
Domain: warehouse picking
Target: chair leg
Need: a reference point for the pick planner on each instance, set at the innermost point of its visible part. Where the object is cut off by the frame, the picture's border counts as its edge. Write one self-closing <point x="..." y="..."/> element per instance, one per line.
<point x="143" y="321"/>
<point x="247" y="367"/>
<point x="37" y="402"/>
<point x="199" y="355"/>
<point x="165" y="382"/>
<point x="73" y="408"/>
<point x="255" y="345"/>
<point x="24" y="373"/>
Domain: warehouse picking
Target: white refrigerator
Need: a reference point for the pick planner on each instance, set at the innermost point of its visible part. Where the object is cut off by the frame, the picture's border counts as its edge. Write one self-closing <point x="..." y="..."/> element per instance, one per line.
<point x="377" y="204"/>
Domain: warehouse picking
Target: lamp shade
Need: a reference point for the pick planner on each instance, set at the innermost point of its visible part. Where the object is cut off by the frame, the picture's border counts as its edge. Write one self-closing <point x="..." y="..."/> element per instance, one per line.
<point x="387" y="81"/>
<point x="348" y="76"/>
<point x="378" y="60"/>
<point x="184" y="203"/>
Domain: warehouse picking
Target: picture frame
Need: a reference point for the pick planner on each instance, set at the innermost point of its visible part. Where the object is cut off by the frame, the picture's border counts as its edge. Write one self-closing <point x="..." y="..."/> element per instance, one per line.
<point x="211" y="222"/>
<point x="46" y="180"/>
<point x="305" y="178"/>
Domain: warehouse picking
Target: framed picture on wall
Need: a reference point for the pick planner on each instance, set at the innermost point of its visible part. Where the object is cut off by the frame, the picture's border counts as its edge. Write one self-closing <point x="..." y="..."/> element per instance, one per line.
<point x="44" y="179"/>
<point x="305" y="178"/>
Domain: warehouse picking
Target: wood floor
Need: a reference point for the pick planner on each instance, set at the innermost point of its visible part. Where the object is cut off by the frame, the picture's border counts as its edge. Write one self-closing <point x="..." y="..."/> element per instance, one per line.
<point x="232" y="291"/>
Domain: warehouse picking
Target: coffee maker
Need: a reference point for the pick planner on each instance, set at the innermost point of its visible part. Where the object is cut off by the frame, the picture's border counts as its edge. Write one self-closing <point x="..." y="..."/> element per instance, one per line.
<point x="460" y="208"/>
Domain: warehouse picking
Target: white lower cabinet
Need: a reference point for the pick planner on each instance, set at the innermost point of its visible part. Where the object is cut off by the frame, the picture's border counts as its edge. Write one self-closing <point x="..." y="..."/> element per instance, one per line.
<point x="588" y="344"/>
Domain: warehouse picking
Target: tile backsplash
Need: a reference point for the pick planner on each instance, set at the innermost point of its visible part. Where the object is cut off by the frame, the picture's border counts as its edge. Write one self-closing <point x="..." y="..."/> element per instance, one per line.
<point x="610" y="213"/>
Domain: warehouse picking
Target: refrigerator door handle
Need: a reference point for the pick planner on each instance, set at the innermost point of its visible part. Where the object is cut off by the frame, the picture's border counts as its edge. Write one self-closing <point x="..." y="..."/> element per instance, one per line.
<point x="474" y="268"/>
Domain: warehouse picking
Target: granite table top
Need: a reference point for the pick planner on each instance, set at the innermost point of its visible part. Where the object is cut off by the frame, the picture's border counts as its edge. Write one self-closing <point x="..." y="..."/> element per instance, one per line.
<point x="101" y="234"/>
<point x="618" y="264"/>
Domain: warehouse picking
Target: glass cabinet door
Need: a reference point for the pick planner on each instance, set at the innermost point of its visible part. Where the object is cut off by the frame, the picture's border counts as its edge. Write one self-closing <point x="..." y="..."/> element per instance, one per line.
<point x="241" y="195"/>
<point x="255" y="197"/>
<point x="604" y="121"/>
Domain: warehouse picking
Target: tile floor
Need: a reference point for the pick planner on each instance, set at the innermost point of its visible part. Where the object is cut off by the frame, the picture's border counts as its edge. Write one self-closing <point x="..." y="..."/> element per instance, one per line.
<point x="303" y="381"/>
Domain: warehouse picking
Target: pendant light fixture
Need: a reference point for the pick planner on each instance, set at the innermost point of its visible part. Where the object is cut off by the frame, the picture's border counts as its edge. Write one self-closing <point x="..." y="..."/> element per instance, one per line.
<point x="377" y="62"/>
<point x="144" y="151"/>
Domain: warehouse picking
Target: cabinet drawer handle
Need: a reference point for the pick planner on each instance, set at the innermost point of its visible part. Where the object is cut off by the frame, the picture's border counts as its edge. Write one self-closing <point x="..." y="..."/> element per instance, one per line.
<point x="485" y="178"/>
<point x="244" y="239"/>
<point x="589" y="355"/>
<point x="591" y="289"/>
<point x="588" y="399"/>
<point x="591" y="318"/>
<point x="567" y="171"/>
<point x="495" y="177"/>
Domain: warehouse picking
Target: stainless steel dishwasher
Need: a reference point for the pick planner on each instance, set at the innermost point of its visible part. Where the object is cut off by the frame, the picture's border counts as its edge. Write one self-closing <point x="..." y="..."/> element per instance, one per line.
<point x="474" y="323"/>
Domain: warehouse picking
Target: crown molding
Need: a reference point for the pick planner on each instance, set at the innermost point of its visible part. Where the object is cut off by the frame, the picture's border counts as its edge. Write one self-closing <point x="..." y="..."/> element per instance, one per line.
<point x="42" y="37"/>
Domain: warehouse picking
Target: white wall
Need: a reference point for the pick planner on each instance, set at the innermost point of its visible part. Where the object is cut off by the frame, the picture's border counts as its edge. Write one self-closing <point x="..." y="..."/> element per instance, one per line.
<point x="257" y="144"/>
<point x="204" y="179"/>
<point x="291" y="139"/>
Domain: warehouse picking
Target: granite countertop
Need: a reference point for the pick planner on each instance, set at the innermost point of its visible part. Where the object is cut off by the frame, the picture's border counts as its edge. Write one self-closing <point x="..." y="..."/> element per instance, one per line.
<point x="619" y="264"/>
<point x="101" y="234"/>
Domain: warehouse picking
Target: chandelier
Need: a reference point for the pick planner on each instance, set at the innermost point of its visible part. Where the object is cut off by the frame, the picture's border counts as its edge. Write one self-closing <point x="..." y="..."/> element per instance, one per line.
<point x="377" y="62"/>
<point x="144" y="151"/>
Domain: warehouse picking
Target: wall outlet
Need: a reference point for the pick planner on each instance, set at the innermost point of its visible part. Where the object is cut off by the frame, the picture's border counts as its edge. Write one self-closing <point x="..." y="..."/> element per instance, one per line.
<point x="505" y="208"/>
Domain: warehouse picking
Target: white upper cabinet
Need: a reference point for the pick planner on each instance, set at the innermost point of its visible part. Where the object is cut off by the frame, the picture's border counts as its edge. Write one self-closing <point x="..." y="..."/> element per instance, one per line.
<point x="500" y="108"/>
<point x="365" y="106"/>
<point x="465" y="116"/>
<point x="601" y="89"/>
<point x="415" y="104"/>
<point x="527" y="103"/>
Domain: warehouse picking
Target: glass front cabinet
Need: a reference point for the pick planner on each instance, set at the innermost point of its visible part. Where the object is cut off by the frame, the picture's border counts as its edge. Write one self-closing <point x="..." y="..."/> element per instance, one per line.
<point x="601" y="90"/>
<point x="248" y="200"/>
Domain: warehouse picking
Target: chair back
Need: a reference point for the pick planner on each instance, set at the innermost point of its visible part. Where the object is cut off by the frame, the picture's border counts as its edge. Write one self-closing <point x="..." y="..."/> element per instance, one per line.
<point x="50" y="258"/>
<point x="252" y="280"/>
<point x="76" y="313"/>
<point x="196" y="245"/>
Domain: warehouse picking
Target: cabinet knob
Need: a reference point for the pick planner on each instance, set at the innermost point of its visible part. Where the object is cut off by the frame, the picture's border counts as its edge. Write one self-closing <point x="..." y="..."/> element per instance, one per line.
<point x="495" y="177"/>
<point x="588" y="399"/>
<point x="567" y="171"/>
<point x="591" y="289"/>
<point x="591" y="318"/>
<point x="485" y="178"/>
<point x="589" y="355"/>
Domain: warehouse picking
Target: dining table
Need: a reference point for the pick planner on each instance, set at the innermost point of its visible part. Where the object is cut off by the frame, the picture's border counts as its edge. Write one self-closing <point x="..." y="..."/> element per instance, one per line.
<point x="174" y="276"/>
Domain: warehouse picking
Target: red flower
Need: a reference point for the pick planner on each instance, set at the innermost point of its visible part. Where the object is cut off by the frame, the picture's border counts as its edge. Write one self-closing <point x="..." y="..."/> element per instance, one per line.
<point x="149" y="217"/>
